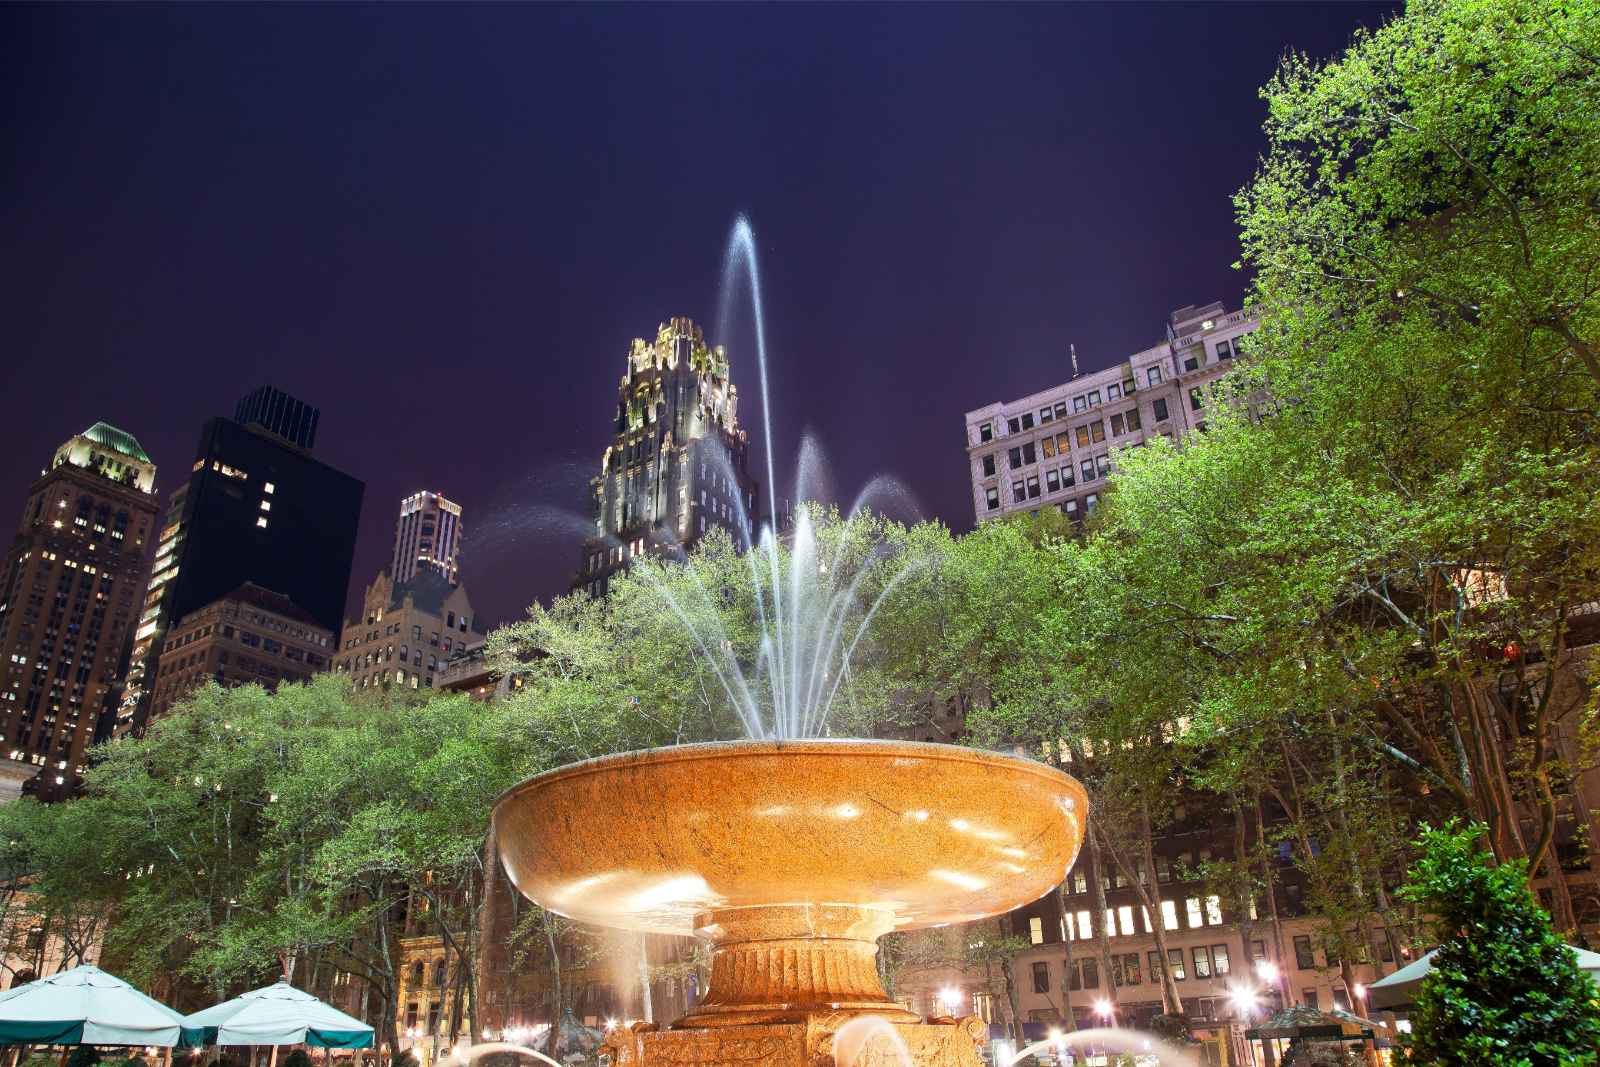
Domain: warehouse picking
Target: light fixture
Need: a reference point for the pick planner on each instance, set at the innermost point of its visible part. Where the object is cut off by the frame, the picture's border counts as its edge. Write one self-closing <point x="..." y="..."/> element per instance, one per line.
<point x="1102" y="1008"/>
<point x="1267" y="971"/>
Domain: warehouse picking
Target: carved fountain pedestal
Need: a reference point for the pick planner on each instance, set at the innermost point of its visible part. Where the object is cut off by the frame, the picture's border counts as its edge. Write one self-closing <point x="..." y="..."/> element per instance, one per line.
<point x="791" y="859"/>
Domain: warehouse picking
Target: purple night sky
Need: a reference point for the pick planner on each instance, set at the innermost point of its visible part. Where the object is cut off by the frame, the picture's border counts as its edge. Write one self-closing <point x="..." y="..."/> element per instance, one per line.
<point x="443" y="224"/>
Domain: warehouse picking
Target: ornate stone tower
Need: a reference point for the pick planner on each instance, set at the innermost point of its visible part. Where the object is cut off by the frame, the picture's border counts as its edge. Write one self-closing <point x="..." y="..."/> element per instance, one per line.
<point x="678" y="462"/>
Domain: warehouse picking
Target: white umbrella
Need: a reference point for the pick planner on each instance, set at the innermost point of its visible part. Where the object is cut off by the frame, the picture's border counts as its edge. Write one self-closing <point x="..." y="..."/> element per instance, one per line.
<point x="279" y="1014"/>
<point x="1399" y="990"/>
<point x="86" y="1006"/>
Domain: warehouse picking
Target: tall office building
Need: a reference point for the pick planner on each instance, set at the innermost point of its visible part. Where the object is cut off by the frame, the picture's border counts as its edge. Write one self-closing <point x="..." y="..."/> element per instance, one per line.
<point x="260" y="509"/>
<point x="1055" y="447"/>
<point x="678" y="462"/>
<point x="69" y="595"/>
<point x="427" y="535"/>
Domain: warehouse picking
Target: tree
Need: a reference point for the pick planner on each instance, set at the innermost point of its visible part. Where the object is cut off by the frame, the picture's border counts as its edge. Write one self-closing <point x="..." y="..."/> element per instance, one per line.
<point x="1504" y="990"/>
<point x="1448" y="161"/>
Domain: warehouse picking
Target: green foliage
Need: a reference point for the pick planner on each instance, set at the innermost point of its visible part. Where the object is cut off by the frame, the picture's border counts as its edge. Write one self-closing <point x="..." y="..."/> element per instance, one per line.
<point x="83" y="1056"/>
<point x="637" y="670"/>
<point x="1504" y="990"/>
<point x="297" y="1058"/>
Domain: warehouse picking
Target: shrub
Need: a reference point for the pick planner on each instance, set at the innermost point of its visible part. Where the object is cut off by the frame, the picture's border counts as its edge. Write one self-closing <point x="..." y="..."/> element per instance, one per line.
<point x="1504" y="990"/>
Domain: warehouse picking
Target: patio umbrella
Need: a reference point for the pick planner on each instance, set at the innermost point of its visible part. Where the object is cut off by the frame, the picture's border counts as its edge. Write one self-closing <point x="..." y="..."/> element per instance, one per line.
<point x="279" y="1014"/>
<point x="86" y="1006"/>
<point x="1399" y="990"/>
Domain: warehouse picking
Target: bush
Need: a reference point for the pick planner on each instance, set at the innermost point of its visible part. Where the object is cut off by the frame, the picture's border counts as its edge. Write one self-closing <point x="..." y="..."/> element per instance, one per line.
<point x="297" y="1058"/>
<point x="1504" y="990"/>
<point x="83" y="1056"/>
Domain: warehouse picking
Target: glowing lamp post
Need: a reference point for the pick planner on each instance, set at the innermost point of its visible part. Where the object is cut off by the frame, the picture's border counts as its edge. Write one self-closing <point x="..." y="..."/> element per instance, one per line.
<point x="951" y="999"/>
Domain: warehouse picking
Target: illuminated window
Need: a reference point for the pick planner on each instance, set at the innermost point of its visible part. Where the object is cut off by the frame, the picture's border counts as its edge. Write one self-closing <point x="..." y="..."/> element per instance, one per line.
<point x="266" y="505"/>
<point x="262" y="521"/>
<point x="1169" y="914"/>
<point x="1193" y="905"/>
<point x="269" y="488"/>
<point x="1036" y="930"/>
<point x="1213" y="911"/>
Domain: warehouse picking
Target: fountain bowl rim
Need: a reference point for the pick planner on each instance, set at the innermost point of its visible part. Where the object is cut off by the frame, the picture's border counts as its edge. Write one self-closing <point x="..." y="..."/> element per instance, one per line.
<point x="833" y="746"/>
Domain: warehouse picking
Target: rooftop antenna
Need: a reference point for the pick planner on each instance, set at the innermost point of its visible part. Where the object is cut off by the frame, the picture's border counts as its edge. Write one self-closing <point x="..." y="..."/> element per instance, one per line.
<point x="1074" y="350"/>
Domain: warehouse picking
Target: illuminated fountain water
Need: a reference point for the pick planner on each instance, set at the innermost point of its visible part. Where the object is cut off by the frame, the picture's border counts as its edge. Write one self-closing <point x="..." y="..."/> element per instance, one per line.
<point x="1144" y="1049"/>
<point x="790" y="854"/>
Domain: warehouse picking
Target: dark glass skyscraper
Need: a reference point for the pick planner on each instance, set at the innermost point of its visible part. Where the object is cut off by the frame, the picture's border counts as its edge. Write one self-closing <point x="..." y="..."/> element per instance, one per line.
<point x="258" y="508"/>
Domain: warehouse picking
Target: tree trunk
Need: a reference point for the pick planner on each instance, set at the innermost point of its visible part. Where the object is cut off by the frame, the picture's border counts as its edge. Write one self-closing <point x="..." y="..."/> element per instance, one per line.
<point x="1069" y="1019"/>
<point x="1008" y="973"/>
<point x="1103" y="938"/>
<point x="555" y="988"/>
<point x="1246" y="923"/>
<point x="1172" y="1001"/>
<point x="1269" y="885"/>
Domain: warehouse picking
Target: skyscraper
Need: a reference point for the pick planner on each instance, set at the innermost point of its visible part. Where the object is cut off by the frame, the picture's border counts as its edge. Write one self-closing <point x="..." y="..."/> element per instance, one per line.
<point x="69" y="595"/>
<point x="678" y="462"/>
<point x="257" y="508"/>
<point x="427" y="535"/>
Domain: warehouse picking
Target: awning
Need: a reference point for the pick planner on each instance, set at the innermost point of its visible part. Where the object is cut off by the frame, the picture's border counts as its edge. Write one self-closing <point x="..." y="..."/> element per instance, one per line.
<point x="87" y="1006"/>
<point x="279" y="1014"/>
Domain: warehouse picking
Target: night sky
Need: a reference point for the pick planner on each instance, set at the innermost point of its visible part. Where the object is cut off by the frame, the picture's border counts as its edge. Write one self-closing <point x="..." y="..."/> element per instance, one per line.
<point x="443" y="225"/>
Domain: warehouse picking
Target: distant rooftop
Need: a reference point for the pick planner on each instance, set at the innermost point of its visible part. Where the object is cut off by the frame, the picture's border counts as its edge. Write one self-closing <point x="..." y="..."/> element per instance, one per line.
<point x="277" y="412"/>
<point x="268" y="600"/>
<point x="103" y="433"/>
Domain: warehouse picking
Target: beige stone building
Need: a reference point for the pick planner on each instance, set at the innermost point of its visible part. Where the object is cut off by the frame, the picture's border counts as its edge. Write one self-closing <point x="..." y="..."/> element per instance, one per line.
<point x="1055" y="447"/>
<point x="408" y="632"/>
<point x="250" y="635"/>
<point x="69" y="602"/>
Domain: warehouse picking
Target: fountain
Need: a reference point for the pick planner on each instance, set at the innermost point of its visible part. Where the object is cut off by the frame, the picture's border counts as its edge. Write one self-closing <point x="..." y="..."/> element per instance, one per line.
<point x="792" y="853"/>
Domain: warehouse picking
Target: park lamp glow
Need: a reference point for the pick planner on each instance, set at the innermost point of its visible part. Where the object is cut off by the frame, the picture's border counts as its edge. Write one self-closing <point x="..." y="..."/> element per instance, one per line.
<point x="1361" y="991"/>
<point x="1267" y="971"/>
<point x="950" y="997"/>
<point x="1102" y="1008"/>
<point x="1244" y="1000"/>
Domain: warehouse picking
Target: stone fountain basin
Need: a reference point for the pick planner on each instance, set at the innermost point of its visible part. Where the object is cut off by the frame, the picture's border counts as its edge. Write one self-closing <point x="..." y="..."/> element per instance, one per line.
<point x="918" y="834"/>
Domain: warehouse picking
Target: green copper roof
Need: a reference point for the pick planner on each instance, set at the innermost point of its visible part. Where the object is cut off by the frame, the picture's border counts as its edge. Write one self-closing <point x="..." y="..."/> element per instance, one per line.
<point x="106" y="434"/>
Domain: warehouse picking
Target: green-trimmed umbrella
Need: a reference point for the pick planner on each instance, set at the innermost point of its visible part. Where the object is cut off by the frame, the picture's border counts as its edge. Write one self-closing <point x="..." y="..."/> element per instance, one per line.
<point x="86" y="1006"/>
<point x="279" y="1014"/>
<point x="1399" y="990"/>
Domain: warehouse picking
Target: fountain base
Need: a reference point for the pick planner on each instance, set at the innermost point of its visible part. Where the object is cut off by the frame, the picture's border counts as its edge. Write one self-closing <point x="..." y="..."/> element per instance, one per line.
<point x="834" y="1039"/>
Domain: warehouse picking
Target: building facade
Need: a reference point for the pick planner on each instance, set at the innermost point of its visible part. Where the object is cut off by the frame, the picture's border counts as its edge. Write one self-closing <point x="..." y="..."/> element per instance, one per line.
<point x="1056" y="447"/>
<point x="258" y="508"/>
<point x="69" y="598"/>
<point x="250" y="635"/>
<point x="427" y="535"/>
<point x="678" y="462"/>
<point x="408" y="632"/>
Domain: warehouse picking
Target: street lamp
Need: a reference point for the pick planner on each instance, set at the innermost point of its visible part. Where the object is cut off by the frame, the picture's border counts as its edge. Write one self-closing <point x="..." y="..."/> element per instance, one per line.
<point x="1102" y="1008"/>
<point x="1245" y="1000"/>
<point x="950" y="998"/>
<point x="1267" y="971"/>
